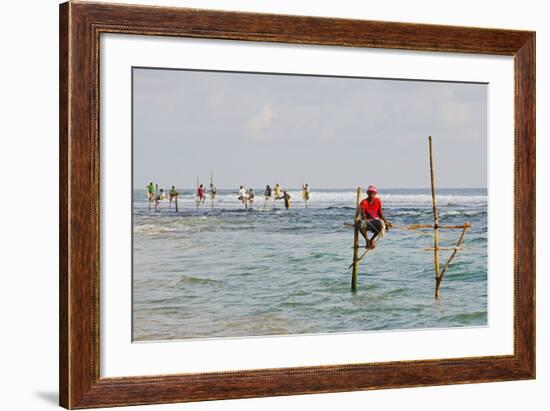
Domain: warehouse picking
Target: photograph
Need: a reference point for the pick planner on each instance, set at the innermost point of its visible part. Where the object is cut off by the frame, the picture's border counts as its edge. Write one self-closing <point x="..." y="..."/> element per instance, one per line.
<point x="259" y="198"/>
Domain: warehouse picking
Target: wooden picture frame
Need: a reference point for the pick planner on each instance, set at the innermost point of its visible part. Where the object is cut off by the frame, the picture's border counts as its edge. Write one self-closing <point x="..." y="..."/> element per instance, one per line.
<point x="80" y="27"/>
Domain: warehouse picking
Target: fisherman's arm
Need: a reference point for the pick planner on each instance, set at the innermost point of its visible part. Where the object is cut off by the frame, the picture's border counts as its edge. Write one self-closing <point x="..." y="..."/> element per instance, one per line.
<point x="388" y="223"/>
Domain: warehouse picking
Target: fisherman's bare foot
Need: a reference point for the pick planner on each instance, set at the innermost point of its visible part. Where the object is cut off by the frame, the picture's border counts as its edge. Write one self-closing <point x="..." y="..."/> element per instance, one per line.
<point x="370" y="245"/>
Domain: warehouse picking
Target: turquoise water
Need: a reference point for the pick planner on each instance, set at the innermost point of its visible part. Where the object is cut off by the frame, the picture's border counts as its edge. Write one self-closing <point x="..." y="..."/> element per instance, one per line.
<point x="229" y="272"/>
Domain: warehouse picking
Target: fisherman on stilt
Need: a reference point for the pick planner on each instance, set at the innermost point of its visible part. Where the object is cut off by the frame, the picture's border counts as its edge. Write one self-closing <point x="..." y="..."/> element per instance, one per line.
<point x="201" y="197"/>
<point x="150" y="193"/>
<point x="159" y="197"/>
<point x="172" y="196"/>
<point x="251" y="196"/>
<point x="213" y="191"/>
<point x="267" y="195"/>
<point x="277" y="192"/>
<point x="372" y="218"/>
<point x="305" y="193"/>
<point x="286" y="197"/>
<point x="243" y="196"/>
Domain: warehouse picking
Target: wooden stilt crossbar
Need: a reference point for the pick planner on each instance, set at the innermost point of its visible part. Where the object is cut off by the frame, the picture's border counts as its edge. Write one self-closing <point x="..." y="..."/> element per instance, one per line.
<point x="355" y="264"/>
<point x="443" y="248"/>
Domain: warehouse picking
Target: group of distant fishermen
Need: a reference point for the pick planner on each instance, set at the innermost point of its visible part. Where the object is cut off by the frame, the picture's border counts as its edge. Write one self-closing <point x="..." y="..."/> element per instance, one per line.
<point x="156" y="196"/>
<point x="245" y="195"/>
<point x="372" y="217"/>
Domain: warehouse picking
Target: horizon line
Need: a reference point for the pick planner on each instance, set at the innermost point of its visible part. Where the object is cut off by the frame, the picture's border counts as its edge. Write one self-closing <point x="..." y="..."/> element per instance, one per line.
<point x="330" y="188"/>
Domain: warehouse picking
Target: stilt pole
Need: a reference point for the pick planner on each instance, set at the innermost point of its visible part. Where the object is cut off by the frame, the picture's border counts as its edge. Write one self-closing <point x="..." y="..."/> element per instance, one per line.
<point x="436" y="225"/>
<point x="355" y="243"/>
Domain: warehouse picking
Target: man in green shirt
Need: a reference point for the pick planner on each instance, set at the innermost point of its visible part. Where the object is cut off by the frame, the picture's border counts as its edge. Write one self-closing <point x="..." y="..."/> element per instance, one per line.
<point x="150" y="193"/>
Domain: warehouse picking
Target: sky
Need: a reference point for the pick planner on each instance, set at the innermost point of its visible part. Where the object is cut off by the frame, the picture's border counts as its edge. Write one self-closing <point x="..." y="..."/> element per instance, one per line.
<point x="255" y="129"/>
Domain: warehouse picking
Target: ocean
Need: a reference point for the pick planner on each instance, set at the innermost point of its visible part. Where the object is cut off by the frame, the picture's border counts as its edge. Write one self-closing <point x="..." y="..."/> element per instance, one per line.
<point x="231" y="272"/>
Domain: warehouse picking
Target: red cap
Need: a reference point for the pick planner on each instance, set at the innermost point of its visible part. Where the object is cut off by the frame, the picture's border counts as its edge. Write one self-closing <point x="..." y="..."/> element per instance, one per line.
<point x="372" y="188"/>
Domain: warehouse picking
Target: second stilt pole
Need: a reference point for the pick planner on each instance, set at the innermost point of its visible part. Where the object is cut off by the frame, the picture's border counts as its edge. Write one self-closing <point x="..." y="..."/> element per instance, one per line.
<point x="436" y="224"/>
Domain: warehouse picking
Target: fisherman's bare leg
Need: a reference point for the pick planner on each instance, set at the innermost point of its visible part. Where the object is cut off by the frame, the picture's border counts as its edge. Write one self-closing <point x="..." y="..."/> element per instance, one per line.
<point x="363" y="231"/>
<point x="371" y="243"/>
<point x="377" y="227"/>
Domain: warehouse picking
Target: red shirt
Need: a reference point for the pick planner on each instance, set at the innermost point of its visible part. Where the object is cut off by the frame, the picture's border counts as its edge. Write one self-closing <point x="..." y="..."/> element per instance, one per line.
<point x="372" y="210"/>
<point x="200" y="192"/>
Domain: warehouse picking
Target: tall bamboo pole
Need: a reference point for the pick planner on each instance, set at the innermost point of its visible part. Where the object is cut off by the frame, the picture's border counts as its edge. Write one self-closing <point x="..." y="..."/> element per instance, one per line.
<point x="436" y="224"/>
<point x="355" y="243"/>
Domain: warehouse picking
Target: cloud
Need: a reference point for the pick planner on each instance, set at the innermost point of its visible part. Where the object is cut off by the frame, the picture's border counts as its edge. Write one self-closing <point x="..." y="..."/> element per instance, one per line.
<point x="259" y="123"/>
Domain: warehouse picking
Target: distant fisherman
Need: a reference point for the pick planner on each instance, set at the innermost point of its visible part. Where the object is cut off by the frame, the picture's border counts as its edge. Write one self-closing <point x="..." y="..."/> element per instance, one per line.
<point x="286" y="197"/>
<point x="243" y="195"/>
<point x="161" y="196"/>
<point x="212" y="193"/>
<point x="267" y="195"/>
<point x="305" y="192"/>
<point x="150" y="193"/>
<point x="277" y="192"/>
<point x="372" y="218"/>
<point x="251" y="195"/>
<point x="200" y="194"/>
<point x="172" y="196"/>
